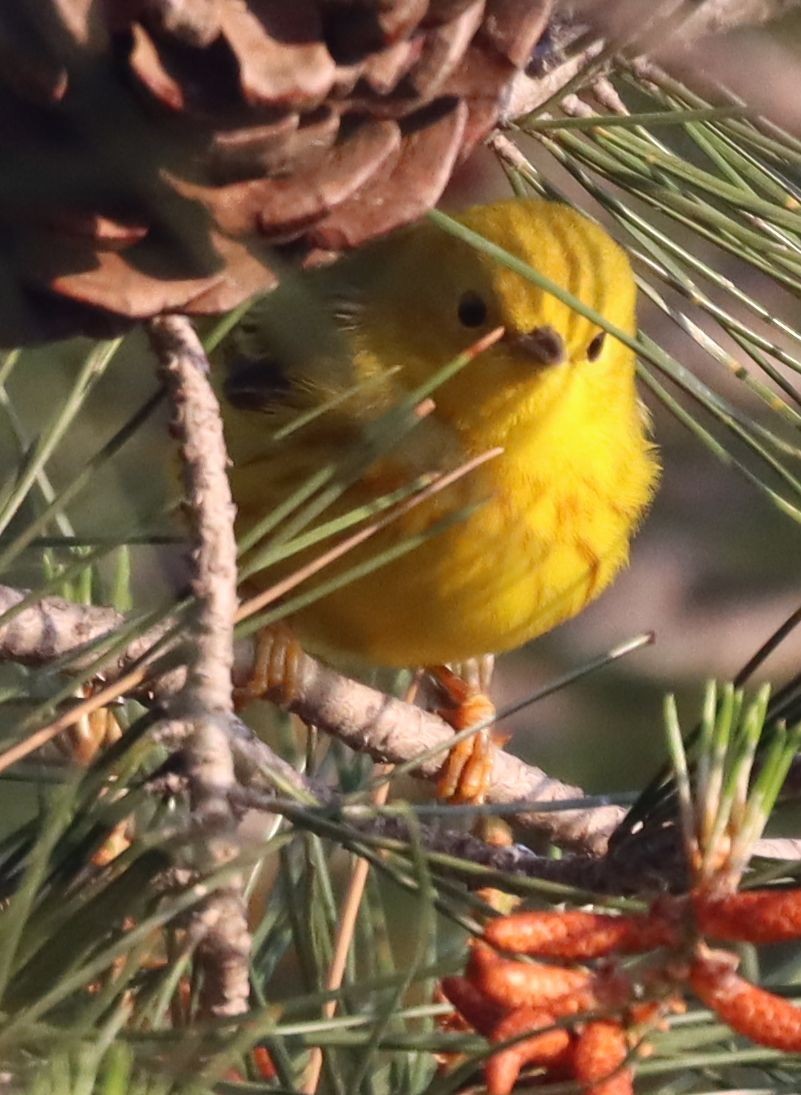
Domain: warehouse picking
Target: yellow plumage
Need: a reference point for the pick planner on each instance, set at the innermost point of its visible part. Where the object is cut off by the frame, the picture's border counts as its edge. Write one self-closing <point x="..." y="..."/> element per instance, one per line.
<point x="557" y="508"/>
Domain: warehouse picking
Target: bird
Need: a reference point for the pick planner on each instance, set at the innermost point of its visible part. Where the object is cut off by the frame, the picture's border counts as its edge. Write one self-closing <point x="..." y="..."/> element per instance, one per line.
<point x="545" y="523"/>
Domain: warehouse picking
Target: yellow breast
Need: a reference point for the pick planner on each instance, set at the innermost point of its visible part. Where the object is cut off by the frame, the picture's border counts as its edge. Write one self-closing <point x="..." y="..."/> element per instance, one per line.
<point x="554" y="516"/>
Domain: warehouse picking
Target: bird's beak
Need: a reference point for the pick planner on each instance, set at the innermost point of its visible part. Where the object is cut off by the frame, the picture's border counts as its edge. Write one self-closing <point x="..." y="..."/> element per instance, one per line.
<point x="541" y="345"/>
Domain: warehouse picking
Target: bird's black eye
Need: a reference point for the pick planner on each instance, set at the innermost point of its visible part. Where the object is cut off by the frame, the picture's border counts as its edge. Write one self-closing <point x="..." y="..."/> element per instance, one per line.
<point x="595" y="346"/>
<point x="472" y="310"/>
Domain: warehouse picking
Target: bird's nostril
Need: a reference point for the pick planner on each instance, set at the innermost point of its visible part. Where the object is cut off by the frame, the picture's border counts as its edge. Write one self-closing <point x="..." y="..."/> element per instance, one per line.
<point x="542" y="344"/>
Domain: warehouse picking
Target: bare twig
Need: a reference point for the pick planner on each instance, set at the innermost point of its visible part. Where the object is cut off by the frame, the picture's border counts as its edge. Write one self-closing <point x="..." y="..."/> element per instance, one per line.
<point x="200" y="711"/>
<point x="527" y="92"/>
<point x="395" y="732"/>
<point x="364" y="718"/>
<point x="262" y="771"/>
<point x="581" y="869"/>
<point x="653" y="863"/>
<point x="51" y="628"/>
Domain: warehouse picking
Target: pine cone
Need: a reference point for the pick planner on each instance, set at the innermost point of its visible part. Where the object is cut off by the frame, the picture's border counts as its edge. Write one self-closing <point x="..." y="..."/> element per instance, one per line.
<point x="173" y="155"/>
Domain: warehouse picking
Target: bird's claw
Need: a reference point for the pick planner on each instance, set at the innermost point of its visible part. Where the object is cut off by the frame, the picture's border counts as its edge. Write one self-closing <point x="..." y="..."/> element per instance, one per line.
<point x="275" y="668"/>
<point x="465" y="774"/>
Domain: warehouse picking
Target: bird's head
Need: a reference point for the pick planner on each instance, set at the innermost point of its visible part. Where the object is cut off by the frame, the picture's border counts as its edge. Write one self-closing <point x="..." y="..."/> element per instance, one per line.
<point x="433" y="295"/>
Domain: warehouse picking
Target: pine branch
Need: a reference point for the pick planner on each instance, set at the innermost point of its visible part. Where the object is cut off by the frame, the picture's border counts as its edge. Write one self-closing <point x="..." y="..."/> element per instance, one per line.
<point x="365" y="719"/>
<point x="198" y="714"/>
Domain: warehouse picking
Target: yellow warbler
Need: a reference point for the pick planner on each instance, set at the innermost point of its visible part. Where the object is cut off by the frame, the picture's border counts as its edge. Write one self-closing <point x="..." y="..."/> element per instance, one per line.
<point x="548" y="520"/>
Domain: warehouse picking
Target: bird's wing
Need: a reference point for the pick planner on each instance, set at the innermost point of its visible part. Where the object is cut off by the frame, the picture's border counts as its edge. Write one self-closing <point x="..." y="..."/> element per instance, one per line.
<point x="293" y="352"/>
<point x="297" y="394"/>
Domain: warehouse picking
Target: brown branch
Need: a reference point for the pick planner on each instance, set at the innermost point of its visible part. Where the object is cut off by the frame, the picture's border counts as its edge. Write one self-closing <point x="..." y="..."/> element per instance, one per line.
<point x="200" y="711"/>
<point x="51" y="629"/>
<point x="651" y="863"/>
<point x="264" y="776"/>
<point x="364" y="718"/>
<point x="269" y="784"/>
<point x="528" y="92"/>
<point x="582" y="869"/>
<point x="395" y="732"/>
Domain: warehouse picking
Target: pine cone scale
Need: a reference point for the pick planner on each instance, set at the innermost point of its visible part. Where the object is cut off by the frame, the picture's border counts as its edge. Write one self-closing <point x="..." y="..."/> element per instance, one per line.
<point x="168" y="142"/>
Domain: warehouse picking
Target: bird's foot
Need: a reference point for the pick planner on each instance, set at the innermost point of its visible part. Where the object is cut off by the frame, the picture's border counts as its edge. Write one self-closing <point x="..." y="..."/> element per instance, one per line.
<point x="275" y="668"/>
<point x="465" y="774"/>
